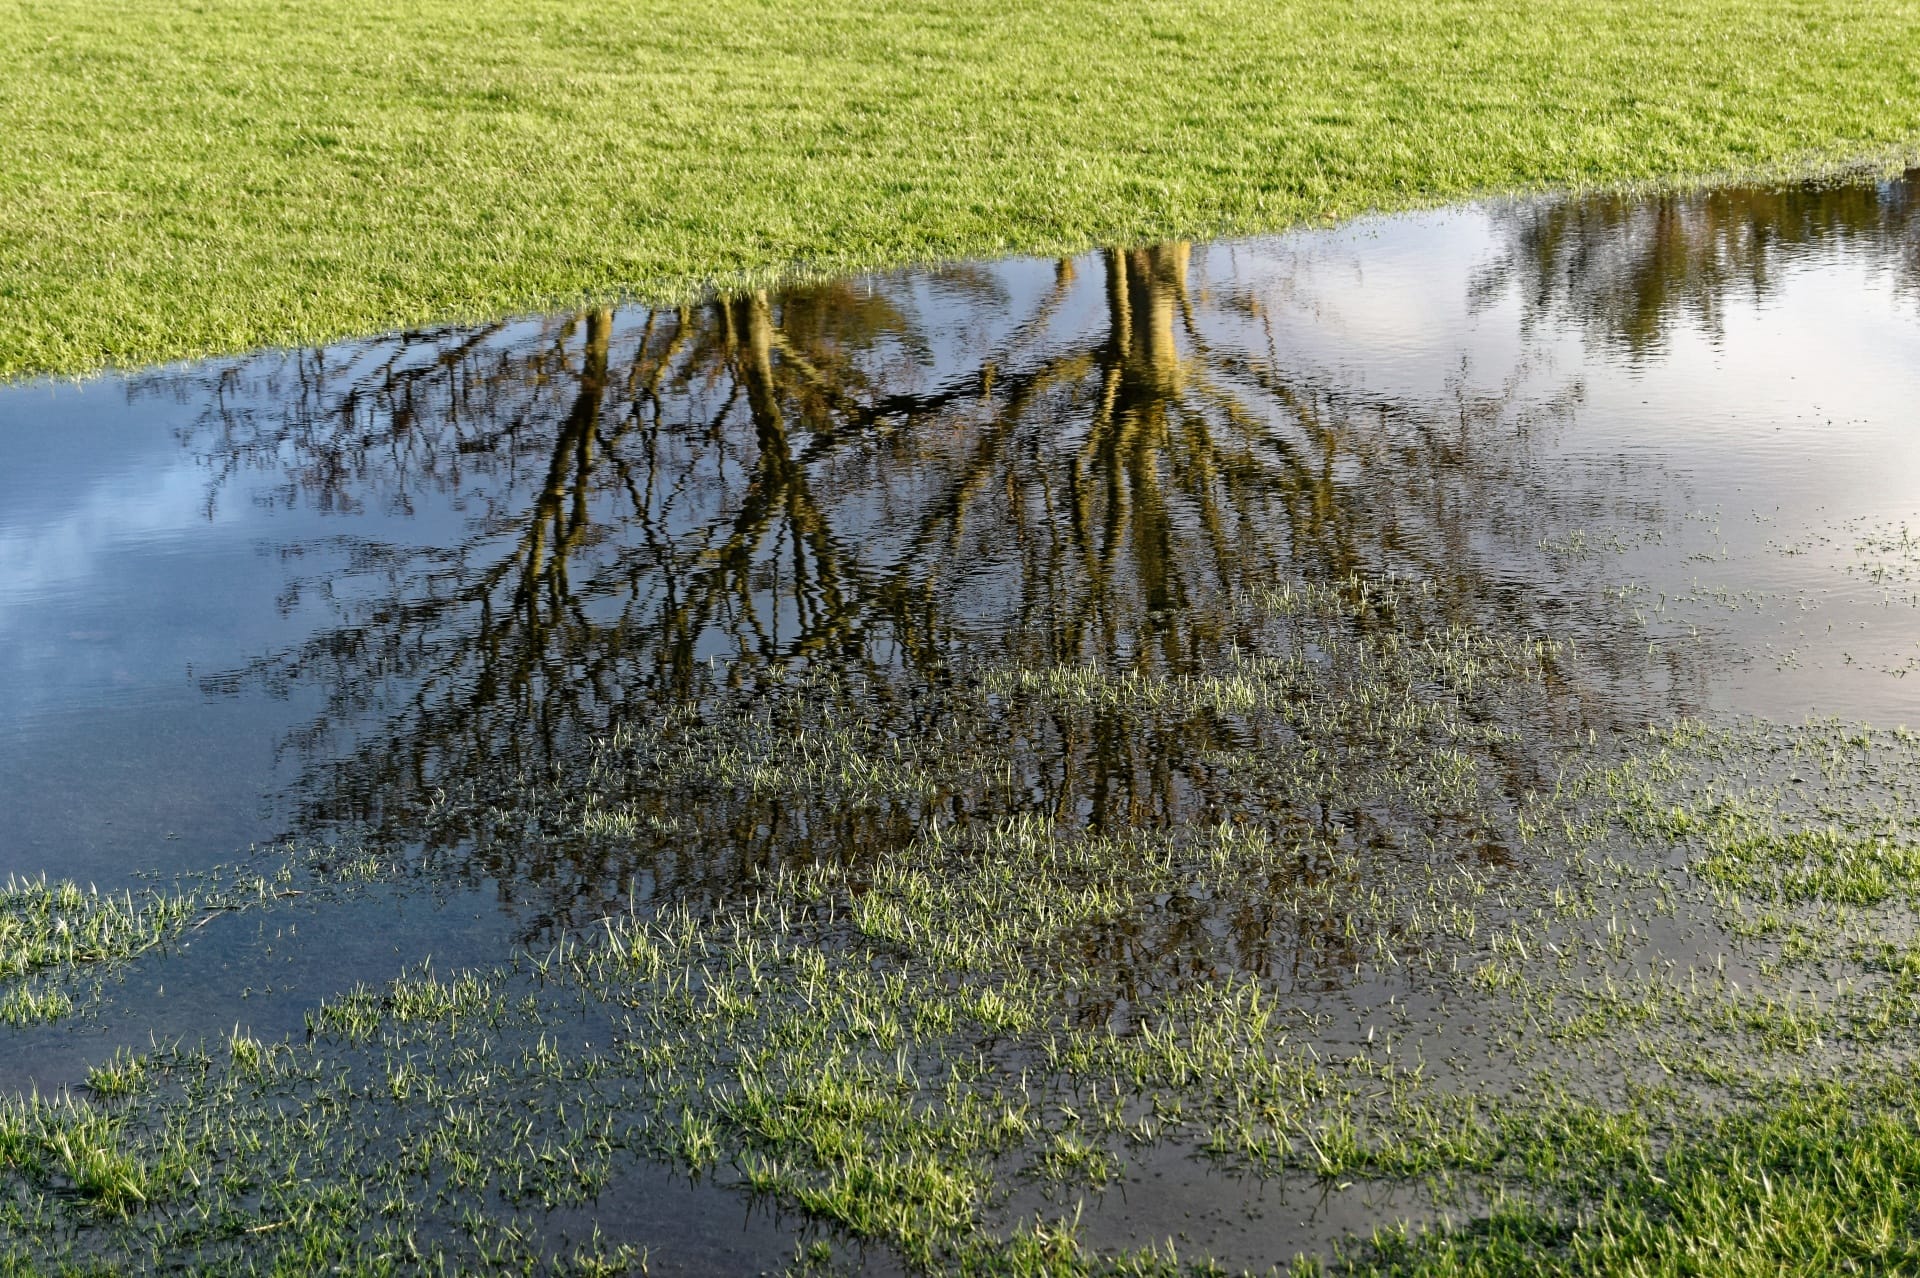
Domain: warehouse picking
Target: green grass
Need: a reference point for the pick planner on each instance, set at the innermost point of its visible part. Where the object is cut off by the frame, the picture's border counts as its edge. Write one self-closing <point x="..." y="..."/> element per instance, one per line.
<point x="1811" y="1179"/>
<point x="51" y="931"/>
<point x="895" y="1047"/>
<point x="55" y="933"/>
<point x="178" y="180"/>
<point x="61" y="924"/>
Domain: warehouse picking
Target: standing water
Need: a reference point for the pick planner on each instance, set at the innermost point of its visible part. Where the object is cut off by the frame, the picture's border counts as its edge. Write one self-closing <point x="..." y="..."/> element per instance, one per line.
<point x="1153" y="754"/>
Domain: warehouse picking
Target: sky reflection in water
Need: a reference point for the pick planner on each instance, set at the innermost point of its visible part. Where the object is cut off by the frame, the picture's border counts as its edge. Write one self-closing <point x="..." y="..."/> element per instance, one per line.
<point x="296" y="594"/>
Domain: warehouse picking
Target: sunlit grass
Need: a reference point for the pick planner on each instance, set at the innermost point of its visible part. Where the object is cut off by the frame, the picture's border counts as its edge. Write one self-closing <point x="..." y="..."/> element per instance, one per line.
<point x="180" y="180"/>
<point x="1595" y="1041"/>
<point x="71" y="1144"/>
<point x="52" y="931"/>
<point x="45" y="924"/>
<point x="1816" y="1179"/>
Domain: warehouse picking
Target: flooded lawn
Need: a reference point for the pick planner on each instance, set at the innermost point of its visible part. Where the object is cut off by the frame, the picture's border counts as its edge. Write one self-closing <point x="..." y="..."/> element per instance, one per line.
<point x="1383" y="745"/>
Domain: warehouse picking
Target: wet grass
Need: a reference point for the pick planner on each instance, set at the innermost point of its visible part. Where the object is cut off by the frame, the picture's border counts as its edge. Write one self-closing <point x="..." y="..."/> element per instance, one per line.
<point x="1813" y="1179"/>
<point x="795" y="1047"/>
<point x="49" y="932"/>
<point x="183" y="181"/>
<point x="55" y="936"/>
<point x="46" y="924"/>
<point x="1654" y="1015"/>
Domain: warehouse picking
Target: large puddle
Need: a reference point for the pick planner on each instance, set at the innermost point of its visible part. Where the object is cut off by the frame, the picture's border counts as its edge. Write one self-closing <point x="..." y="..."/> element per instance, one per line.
<point x="553" y="619"/>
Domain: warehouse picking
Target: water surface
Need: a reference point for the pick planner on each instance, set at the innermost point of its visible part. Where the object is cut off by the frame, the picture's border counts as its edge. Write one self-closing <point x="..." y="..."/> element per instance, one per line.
<point x="354" y="597"/>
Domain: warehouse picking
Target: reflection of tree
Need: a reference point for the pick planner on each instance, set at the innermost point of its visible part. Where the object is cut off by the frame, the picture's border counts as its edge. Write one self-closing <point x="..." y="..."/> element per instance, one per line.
<point x="667" y="513"/>
<point x="1635" y="267"/>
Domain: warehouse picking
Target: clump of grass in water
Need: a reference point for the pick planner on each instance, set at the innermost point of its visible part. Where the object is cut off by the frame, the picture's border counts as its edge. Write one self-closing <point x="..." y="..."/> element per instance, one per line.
<point x="124" y="1075"/>
<point x="46" y="924"/>
<point x="33" y="1004"/>
<point x="53" y="931"/>
<point x="71" y="1146"/>
<point x="886" y="1045"/>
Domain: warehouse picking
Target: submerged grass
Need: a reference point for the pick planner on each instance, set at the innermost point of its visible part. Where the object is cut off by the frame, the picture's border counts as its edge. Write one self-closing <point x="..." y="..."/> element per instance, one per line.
<point x="176" y="181"/>
<point x="863" y="1066"/>
<point x="51" y="931"/>
<point x="1805" y="1179"/>
<point x="46" y="924"/>
<point x="1640" y="1007"/>
<point x="1331" y="985"/>
<point x="55" y="933"/>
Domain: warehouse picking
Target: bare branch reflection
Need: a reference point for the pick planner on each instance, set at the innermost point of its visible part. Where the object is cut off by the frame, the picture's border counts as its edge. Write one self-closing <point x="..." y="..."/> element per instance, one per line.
<point x="826" y="517"/>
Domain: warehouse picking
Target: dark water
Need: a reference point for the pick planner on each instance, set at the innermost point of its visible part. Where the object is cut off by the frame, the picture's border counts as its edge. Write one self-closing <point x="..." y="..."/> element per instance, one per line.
<point x="280" y="595"/>
<point x="347" y="596"/>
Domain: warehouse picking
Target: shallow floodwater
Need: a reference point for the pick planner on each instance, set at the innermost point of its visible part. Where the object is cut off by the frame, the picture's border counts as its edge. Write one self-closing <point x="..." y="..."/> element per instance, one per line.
<point x="346" y="597"/>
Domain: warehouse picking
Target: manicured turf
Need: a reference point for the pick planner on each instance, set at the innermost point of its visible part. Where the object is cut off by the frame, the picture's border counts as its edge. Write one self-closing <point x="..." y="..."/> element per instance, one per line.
<point x="182" y="179"/>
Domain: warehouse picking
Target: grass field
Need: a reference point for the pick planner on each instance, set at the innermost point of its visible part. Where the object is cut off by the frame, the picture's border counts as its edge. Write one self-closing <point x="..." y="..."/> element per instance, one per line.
<point x="183" y="179"/>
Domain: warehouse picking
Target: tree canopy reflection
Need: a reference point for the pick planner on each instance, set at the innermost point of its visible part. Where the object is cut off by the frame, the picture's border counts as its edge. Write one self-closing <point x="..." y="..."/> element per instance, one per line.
<point x="844" y="502"/>
<point x="1633" y="268"/>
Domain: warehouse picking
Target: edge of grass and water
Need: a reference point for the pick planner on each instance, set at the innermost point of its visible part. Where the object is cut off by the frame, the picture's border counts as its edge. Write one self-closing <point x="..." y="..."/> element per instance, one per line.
<point x="877" y="1049"/>
<point x="1687" y="1000"/>
<point x="239" y="175"/>
<point x="60" y="939"/>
